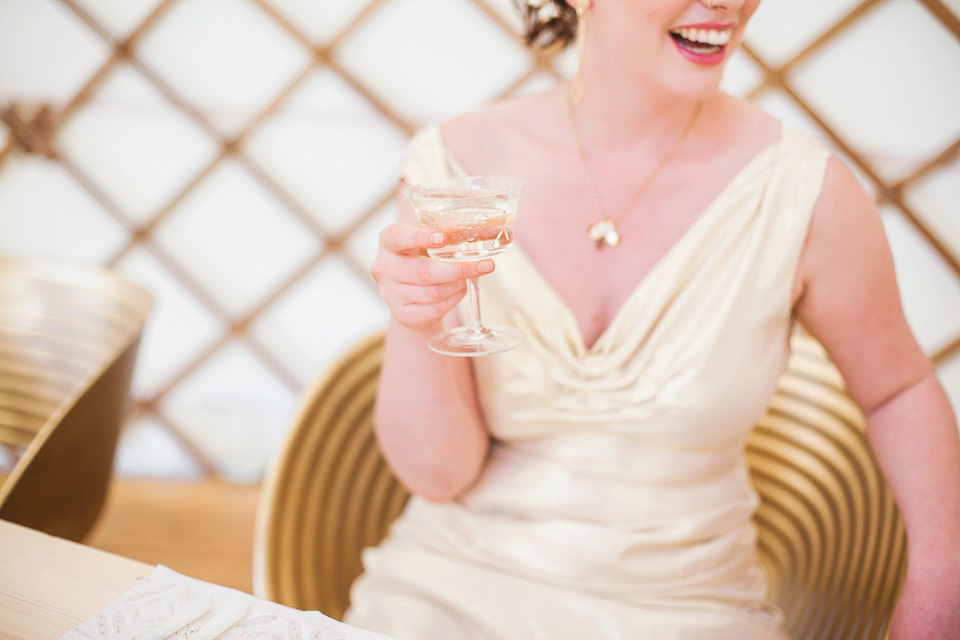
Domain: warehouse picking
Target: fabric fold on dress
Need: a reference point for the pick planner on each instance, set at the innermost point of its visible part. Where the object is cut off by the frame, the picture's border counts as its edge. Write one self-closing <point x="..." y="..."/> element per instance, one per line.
<point x="616" y="501"/>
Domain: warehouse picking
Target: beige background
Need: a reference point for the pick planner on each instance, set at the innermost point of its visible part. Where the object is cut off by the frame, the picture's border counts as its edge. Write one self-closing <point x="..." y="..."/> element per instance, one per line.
<point x="238" y="158"/>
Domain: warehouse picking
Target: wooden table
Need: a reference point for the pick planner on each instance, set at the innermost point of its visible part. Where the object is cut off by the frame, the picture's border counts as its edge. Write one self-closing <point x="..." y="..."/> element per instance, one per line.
<point x="49" y="585"/>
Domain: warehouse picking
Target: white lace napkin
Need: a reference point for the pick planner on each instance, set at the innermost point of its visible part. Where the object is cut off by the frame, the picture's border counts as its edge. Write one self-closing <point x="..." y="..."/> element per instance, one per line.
<point x="167" y="604"/>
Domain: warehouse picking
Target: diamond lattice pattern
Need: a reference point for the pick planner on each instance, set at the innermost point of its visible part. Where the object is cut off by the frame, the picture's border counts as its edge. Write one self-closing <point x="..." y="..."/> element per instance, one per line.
<point x="238" y="157"/>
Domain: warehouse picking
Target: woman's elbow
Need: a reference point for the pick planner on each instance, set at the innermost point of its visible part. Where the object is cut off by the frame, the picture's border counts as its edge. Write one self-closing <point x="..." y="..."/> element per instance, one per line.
<point x="434" y="480"/>
<point x="435" y="470"/>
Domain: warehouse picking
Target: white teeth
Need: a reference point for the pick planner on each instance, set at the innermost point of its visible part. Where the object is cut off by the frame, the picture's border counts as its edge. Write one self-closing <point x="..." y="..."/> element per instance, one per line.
<point x="705" y="36"/>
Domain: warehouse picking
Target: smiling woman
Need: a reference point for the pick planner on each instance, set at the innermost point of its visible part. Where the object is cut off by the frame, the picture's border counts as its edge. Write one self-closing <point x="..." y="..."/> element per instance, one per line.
<point x="671" y="237"/>
<point x="703" y="44"/>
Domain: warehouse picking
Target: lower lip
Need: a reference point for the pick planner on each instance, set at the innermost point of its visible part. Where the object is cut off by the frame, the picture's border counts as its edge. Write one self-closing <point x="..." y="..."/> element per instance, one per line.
<point x="707" y="60"/>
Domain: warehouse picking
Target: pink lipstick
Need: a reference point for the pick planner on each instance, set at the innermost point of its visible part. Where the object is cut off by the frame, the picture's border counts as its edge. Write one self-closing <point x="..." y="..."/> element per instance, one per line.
<point x="703" y="43"/>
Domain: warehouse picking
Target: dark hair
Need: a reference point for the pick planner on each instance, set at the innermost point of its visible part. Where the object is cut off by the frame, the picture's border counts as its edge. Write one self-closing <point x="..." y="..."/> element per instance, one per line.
<point x="560" y="29"/>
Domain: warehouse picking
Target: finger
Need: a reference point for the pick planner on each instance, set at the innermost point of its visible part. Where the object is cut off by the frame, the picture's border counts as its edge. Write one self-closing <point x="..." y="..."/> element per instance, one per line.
<point x="416" y="294"/>
<point x="424" y="271"/>
<point x="397" y="294"/>
<point x="420" y="314"/>
<point x="402" y="237"/>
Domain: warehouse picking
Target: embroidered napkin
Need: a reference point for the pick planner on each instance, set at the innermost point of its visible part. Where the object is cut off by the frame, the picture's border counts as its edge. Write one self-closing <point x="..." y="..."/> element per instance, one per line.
<point x="167" y="604"/>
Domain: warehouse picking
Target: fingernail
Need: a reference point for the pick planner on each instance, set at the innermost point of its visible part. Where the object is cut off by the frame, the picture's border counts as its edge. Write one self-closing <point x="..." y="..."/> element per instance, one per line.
<point x="485" y="266"/>
<point x="436" y="237"/>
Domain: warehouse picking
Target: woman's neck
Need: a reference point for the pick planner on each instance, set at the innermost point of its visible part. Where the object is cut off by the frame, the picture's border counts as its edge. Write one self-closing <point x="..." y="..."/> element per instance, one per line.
<point x="613" y="116"/>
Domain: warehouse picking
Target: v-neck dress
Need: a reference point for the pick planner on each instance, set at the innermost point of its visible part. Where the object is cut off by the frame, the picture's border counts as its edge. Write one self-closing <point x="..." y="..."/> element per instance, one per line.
<point x="616" y="502"/>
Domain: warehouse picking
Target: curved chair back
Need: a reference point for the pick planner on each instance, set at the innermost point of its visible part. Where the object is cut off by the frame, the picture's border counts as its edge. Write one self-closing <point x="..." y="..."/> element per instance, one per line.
<point x="829" y="533"/>
<point x="68" y="342"/>
<point x="329" y="493"/>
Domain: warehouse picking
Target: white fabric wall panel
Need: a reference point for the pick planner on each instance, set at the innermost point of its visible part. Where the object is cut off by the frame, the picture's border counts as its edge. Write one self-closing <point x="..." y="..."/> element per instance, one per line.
<point x="238" y="157"/>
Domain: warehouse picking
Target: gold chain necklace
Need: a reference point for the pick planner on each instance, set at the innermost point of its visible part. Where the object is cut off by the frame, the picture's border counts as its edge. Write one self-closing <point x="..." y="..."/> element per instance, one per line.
<point x="604" y="232"/>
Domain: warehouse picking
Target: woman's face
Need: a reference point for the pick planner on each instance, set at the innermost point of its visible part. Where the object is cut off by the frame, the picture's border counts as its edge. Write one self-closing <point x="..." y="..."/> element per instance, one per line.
<point x="679" y="45"/>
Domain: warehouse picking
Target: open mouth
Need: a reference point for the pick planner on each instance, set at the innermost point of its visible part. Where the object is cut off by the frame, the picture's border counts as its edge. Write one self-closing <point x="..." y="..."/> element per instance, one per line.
<point x="701" y="42"/>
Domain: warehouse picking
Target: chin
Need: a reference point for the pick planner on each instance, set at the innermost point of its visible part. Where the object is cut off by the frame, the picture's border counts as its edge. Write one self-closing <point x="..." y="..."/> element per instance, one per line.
<point x="697" y="88"/>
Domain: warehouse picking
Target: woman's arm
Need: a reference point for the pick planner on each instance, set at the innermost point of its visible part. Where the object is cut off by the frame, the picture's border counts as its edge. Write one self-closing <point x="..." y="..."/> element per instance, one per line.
<point x="850" y="302"/>
<point x="427" y="420"/>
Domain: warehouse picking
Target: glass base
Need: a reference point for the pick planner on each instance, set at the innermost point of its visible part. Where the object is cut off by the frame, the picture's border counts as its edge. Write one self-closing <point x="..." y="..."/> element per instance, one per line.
<point x="468" y="342"/>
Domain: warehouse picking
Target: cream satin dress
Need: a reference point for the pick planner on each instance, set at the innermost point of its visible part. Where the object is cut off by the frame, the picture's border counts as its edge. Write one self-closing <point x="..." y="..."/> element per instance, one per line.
<point x="616" y="503"/>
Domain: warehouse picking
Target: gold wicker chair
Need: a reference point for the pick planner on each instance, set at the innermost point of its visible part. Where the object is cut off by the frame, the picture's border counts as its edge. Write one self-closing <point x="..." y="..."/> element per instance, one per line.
<point x="68" y="341"/>
<point x="829" y="532"/>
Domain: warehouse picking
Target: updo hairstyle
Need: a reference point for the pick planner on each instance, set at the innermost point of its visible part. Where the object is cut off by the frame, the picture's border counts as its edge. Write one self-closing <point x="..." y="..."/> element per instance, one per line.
<point x="547" y="22"/>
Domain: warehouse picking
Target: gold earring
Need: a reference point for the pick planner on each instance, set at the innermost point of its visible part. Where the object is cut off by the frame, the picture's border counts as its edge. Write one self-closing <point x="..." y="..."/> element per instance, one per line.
<point x="580" y="6"/>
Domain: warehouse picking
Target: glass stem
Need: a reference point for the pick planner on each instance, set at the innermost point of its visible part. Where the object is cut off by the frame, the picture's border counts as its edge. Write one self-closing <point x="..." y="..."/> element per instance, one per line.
<point x="476" y="326"/>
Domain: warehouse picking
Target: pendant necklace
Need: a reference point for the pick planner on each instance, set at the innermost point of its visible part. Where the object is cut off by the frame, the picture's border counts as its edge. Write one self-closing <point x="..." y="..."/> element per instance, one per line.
<point x="604" y="231"/>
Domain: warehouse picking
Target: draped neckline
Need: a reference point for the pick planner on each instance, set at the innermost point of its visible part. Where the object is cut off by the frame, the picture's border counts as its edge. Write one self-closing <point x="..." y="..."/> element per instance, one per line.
<point x="694" y="230"/>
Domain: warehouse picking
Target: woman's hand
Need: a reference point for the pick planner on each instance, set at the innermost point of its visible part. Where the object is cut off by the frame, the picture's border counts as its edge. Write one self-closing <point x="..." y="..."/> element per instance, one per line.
<point x="427" y="420"/>
<point x="418" y="290"/>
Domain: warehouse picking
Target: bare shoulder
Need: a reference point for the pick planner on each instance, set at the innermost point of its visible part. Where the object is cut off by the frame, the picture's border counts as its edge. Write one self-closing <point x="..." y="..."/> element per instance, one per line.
<point x="845" y="240"/>
<point x="844" y="215"/>
<point x="744" y="120"/>
<point x="515" y="127"/>
<point x="849" y="298"/>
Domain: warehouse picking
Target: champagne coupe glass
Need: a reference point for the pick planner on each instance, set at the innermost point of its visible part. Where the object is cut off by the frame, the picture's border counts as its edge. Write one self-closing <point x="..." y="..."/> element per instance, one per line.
<point x="476" y="214"/>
